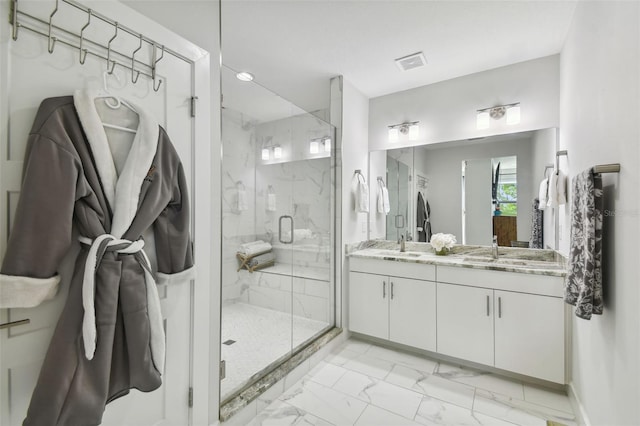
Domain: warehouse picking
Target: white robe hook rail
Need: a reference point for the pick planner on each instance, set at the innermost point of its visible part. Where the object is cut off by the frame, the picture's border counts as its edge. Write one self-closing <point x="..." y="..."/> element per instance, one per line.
<point x="56" y="34"/>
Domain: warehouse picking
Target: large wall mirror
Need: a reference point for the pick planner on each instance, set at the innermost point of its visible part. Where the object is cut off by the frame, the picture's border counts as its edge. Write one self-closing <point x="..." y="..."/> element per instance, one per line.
<point x="473" y="189"/>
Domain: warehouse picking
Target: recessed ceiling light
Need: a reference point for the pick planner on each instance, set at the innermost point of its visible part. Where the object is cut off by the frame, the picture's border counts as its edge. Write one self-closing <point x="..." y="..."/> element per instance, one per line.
<point x="244" y="76"/>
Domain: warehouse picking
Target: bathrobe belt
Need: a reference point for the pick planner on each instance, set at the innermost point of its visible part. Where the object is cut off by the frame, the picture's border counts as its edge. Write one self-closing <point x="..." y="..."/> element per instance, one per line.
<point x="97" y="247"/>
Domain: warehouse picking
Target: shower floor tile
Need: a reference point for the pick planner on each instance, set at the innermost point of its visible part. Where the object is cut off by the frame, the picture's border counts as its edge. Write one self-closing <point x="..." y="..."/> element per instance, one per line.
<point x="260" y="337"/>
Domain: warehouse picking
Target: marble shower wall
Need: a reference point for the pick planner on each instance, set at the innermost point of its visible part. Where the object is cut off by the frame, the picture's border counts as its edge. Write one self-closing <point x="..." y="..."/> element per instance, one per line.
<point x="301" y="183"/>
<point x="238" y="174"/>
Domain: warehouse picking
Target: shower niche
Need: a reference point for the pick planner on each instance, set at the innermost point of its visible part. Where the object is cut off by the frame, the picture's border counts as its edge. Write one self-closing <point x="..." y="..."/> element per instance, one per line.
<point x="277" y="227"/>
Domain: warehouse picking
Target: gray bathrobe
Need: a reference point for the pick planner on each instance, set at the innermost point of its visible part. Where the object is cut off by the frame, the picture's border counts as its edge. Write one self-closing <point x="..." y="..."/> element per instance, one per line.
<point x="109" y="337"/>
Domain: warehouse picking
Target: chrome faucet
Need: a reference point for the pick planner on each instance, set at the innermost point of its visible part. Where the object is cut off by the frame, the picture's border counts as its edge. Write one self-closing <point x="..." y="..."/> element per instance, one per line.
<point x="494" y="247"/>
<point x="402" y="246"/>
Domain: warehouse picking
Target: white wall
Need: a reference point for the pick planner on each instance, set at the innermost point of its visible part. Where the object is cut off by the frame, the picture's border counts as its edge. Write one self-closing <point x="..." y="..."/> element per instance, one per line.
<point x="447" y="110"/>
<point x="354" y="156"/>
<point x="599" y="123"/>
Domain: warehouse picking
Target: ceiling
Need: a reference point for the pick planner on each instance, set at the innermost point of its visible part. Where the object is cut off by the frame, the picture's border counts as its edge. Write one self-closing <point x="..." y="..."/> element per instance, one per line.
<point x="294" y="47"/>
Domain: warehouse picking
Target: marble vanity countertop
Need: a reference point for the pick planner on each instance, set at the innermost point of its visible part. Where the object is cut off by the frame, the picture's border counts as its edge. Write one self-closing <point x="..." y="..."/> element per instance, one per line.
<point x="526" y="261"/>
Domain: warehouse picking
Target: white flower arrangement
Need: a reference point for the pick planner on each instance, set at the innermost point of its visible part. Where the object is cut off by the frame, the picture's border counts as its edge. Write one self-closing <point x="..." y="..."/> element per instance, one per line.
<point x="441" y="241"/>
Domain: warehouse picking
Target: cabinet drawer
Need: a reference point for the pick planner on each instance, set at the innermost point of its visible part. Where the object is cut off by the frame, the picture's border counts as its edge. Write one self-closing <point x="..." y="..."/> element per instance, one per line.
<point x="420" y="271"/>
<point x="511" y="281"/>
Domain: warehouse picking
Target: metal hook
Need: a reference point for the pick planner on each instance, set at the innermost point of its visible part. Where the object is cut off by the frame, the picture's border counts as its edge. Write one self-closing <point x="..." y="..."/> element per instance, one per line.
<point x="134" y="80"/>
<point x="52" y="40"/>
<point x="153" y="68"/>
<point x="110" y="71"/>
<point x="83" y="52"/>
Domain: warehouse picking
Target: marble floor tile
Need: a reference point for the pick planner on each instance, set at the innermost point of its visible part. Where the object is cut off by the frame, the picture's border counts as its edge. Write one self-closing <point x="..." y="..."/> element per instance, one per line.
<point x="433" y="386"/>
<point x="380" y="393"/>
<point x="325" y="403"/>
<point x="355" y="345"/>
<point x="282" y="414"/>
<point x="407" y="359"/>
<point x="326" y="374"/>
<point x="548" y="398"/>
<point x="375" y="416"/>
<point x="480" y="379"/>
<point x="518" y="411"/>
<point x="342" y="356"/>
<point x="435" y="412"/>
<point x="370" y="366"/>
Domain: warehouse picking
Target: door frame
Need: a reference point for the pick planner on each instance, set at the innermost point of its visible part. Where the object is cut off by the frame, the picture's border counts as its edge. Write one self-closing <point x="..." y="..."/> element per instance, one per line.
<point x="201" y="185"/>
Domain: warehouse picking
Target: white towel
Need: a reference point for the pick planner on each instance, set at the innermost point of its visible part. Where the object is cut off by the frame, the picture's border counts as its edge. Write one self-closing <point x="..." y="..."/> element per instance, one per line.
<point x="383" y="199"/>
<point x="242" y="203"/>
<point x="271" y="202"/>
<point x="543" y="193"/>
<point x="561" y="188"/>
<point x="552" y="200"/>
<point x="255" y="248"/>
<point x="362" y="196"/>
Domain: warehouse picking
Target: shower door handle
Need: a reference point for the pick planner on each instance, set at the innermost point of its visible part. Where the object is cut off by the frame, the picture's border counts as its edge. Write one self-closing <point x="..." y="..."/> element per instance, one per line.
<point x="280" y="229"/>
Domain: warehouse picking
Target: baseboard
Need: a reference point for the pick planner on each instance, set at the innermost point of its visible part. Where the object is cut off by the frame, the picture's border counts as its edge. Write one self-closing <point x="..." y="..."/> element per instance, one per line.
<point x="578" y="409"/>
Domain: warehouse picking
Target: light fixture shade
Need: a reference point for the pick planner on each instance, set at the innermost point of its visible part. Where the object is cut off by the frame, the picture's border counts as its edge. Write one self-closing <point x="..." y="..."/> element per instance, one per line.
<point x="327" y="145"/>
<point x="414" y="132"/>
<point x="265" y="153"/>
<point x="314" y="147"/>
<point x="277" y="152"/>
<point x="513" y="115"/>
<point x="394" y="135"/>
<point x="482" y="120"/>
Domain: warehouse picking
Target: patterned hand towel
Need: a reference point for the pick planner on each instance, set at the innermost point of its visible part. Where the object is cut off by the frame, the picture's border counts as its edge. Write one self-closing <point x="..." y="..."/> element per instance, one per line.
<point x="536" y="240"/>
<point x="583" y="285"/>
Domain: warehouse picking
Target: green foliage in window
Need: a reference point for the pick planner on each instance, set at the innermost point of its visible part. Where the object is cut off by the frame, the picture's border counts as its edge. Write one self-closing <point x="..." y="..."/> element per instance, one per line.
<point x="508" y="199"/>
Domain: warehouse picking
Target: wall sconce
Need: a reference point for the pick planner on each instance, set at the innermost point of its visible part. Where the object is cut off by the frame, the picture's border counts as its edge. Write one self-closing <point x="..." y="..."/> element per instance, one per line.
<point x="277" y="152"/>
<point x="497" y="112"/>
<point x="314" y="145"/>
<point x="408" y="127"/>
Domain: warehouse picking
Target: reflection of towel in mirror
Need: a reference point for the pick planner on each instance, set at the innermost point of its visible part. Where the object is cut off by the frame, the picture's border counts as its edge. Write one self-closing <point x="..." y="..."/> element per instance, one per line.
<point x="536" y="240"/>
<point x="271" y="202"/>
<point x="542" y="193"/>
<point x="583" y="283"/>
<point x="383" y="198"/>
<point x="262" y="259"/>
<point x="557" y="190"/>
<point x="362" y="195"/>
<point x="421" y="218"/>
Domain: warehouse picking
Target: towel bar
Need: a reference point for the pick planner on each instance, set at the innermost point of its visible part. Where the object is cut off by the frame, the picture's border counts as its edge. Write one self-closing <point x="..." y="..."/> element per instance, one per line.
<point x="607" y="168"/>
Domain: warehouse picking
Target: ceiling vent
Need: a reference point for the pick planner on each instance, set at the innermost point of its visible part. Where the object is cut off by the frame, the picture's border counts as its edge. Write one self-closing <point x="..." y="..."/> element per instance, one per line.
<point x="415" y="60"/>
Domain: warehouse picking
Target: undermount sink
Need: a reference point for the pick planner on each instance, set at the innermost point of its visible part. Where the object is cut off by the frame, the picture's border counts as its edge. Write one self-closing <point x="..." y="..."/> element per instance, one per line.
<point x="486" y="259"/>
<point x="410" y="254"/>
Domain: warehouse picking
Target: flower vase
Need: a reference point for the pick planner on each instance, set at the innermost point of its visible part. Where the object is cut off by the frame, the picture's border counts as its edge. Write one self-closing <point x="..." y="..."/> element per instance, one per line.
<point x="442" y="252"/>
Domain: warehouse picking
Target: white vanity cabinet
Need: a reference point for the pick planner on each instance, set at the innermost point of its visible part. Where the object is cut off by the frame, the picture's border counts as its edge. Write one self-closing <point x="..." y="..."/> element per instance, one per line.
<point x="529" y="334"/>
<point x="465" y="322"/>
<point x="481" y="319"/>
<point x="395" y="301"/>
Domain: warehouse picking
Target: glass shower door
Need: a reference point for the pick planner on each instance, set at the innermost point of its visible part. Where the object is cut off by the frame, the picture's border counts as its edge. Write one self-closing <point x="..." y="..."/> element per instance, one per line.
<point x="277" y="226"/>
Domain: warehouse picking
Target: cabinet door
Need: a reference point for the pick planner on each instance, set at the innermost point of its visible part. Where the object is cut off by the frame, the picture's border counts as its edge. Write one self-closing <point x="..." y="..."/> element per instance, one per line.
<point x="368" y="304"/>
<point x="465" y="322"/>
<point x="412" y="313"/>
<point x="529" y="335"/>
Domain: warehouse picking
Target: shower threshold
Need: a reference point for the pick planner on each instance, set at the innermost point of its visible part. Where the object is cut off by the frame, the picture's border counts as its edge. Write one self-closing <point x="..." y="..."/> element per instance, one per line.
<point x="236" y="402"/>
